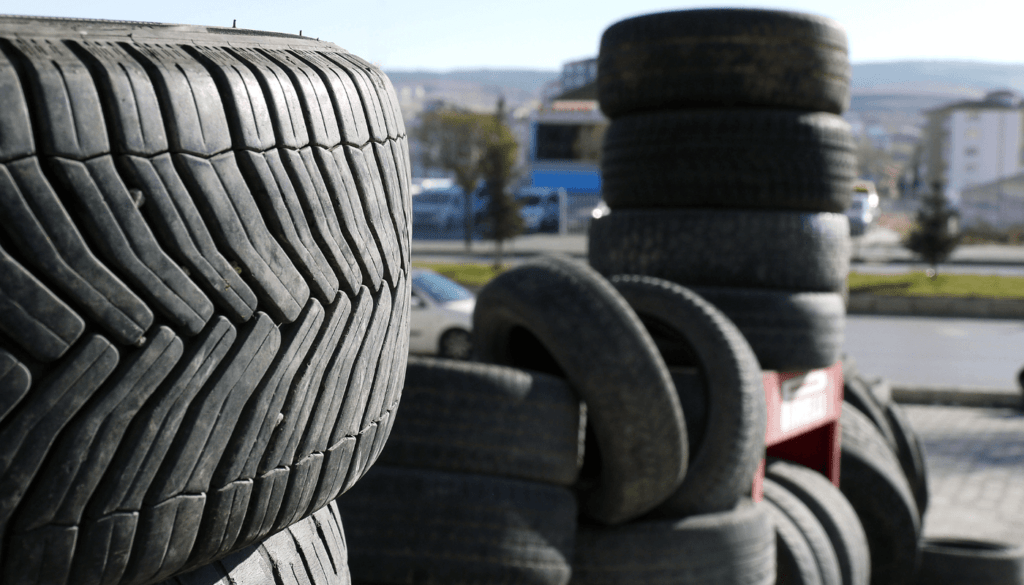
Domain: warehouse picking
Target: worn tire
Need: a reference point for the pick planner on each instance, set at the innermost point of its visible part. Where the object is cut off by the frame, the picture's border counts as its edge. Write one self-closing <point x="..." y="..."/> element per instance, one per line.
<point x="785" y="250"/>
<point x="309" y="552"/>
<point x="957" y="561"/>
<point x="724" y="548"/>
<point x="824" y="554"/>
<point x="910" y="454"/>
<point x="794" y="560"/>
<point x="722" y="471"/>
<point x="204" y="261"/>
<point x="481" y="418"/>
<point x="875" y="486"/>
<point x="789" y="331"/>
<point x="729" y="158"/>
<point x="456" y="344"/>
<point x="724" y="57"/>
<point x="835" y="514"/>
<point x="408" y="526"/>
<point x="533" y="317"/>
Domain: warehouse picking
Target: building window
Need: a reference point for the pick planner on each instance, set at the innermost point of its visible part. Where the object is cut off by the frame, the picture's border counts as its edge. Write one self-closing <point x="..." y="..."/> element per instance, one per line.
<point x="972" y="133"/>
<point x="971" y="151"/>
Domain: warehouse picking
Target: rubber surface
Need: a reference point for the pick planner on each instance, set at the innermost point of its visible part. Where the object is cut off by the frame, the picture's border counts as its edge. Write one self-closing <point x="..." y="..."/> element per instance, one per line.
<point x="957" y="561"/>
<point x="481" y="418"/>
<point x="407" y="526"/>
<point x="794" y="559"/>
<point x="204" y="310"/>
<point x="721" y="472"/>
<point x="789" y="331"/>
<point x="875" y="486"/>
<point x="824" y="554"/>
<point x="724" y="57"/>
<point x="732" y="547"/>
<point x="784" y="250"/>
<point x="310" y="552"/>
<point x="533" y="317"/>
<point x="740" y="158"/>
<point x="833" y="511"/>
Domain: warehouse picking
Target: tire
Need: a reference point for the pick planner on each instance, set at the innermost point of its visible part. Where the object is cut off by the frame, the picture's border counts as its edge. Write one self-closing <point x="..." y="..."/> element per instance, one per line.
<point x="722" y="471"/>
<point x="956" y="561"/>
<point x="825" y="560"/>
<point x="875" y="486"/>
<point x="724" y="57"/>
<point x="407" y="526"/>
<point x="493" y="420"/>
<point x="835" y="514"/>
<point x="729" y="158"/>
<point x="531" y="317"/>
<point x="309" y="552"/>
<point x="910" y="455"/>
<point x="783" y="250"/>
<point x="456" y="344"/>
<point x="212" y="272"/>
<point x="789" y="331"/>
<point x="723" y="548"/>
<point x="857" y="394"/>
<point x="794" y="559"/>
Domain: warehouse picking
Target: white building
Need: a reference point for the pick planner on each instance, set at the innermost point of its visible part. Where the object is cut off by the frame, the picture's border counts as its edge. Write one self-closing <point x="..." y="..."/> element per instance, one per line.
<point x="972" y="143"/>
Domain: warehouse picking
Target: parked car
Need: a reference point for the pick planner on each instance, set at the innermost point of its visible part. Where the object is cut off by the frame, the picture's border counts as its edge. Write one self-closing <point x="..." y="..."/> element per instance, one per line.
<point x="538" y="208"/>
<point x="440" y="209"/>
<point x="441" y="316"/>
<point x="863" y="207"/>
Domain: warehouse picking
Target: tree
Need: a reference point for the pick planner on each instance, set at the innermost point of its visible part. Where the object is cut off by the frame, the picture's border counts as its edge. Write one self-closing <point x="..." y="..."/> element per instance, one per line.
<point x="503" y="219"/>
<point x="937" y="233"/>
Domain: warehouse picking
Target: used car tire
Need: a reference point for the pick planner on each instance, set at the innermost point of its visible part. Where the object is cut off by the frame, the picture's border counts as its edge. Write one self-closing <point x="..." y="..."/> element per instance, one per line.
<point x="789" y="331"/>
<point x="206" y="231"/>
<point x="730" y="57"/>
<point x="824" y="554"/>
<point x="835" y="514"/>
<point x="482" y="418"/>
<point x="407" y="526"/>
<point x="723" y="548"/>
<point x="737" y="158"/>
<point x="309" y="552"/>
<point x="959" y="561"/>
<point x="875" y="486"/>
<point x="533" y="316"/>
<point x="722" y="471"/>
<point x="794" y="560"/>
<point x="785" y="250"/>
<point x="456" y="344"/>
<point x="910" y="454"/>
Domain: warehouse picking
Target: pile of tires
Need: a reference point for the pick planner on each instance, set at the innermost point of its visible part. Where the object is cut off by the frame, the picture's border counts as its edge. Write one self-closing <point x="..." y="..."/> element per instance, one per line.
<point x="204" y="295"/>
<point x="727" y="168"/>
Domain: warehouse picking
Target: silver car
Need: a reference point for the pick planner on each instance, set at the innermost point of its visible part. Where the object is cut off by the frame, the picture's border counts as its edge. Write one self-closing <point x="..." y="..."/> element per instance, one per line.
<point x="441" y="316"/>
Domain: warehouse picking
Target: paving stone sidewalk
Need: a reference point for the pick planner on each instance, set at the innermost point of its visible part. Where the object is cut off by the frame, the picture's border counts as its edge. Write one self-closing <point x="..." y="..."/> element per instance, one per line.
<point x="975" y="461"/>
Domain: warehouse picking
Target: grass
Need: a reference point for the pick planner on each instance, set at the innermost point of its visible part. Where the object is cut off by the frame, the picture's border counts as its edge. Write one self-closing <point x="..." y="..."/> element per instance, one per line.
<point x="472" y="275"/>
<point x="917" y="284"/>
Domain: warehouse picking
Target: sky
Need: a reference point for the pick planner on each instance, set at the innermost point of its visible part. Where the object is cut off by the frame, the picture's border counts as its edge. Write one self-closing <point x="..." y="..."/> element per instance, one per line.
<point x="443" y="35"/>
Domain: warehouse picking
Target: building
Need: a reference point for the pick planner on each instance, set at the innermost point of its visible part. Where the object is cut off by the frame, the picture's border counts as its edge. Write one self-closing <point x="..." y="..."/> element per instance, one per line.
<point x="972" y="143"/>
<point x="997" y="205"/>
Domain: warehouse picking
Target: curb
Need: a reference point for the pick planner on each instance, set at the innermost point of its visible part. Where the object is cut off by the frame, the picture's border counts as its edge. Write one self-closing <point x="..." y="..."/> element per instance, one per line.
<point x="869" y="304"/>
<point x="979" y="397"/>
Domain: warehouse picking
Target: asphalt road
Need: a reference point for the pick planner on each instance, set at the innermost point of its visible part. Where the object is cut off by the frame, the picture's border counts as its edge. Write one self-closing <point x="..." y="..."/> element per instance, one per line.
<point x="938" y="352"/>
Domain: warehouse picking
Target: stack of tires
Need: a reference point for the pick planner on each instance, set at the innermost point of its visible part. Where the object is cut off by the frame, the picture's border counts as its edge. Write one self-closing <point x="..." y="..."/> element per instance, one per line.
<point x="204" y="299"/>
<point x="727" y="168"/>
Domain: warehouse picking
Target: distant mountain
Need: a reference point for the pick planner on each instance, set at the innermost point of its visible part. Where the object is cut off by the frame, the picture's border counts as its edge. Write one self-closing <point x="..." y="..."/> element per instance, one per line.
<point x="960" y="78"/>
<point x="526" y="80"/>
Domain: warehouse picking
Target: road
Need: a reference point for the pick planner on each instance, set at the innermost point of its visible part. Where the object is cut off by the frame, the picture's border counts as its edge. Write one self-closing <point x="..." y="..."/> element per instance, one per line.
<point x="938" y="352"/>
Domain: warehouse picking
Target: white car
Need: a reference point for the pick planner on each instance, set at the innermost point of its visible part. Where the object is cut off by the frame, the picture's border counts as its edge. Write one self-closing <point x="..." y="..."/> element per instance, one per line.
<point x="441" y="316"/>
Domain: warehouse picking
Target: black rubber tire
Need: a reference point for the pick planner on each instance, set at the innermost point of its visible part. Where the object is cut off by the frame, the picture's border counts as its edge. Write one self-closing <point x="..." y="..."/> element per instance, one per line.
<point x="910" y="454"/>
<point x="729" y="158"/>
<point x="722" y="471"/>
<point x="857" y="394"/>
<point x="785" y="250"/>
<point x="794" y="560"/>
<point x="533" y="317"/>
<point x="211" y="272"/>
<point x="833" y="511"/>
<point x="481" y="418"/>
<point x="309" y="552"/>
<point x="824" y="554"/>
<point x="724" y="57"/>
<point x="724" y="548"/>
<point x="456" y="344"/>
<point x="789" y="331"/>
<point x="958" y="561"/>
<point x="874" y="484"/>
<point x="408" y="526"/>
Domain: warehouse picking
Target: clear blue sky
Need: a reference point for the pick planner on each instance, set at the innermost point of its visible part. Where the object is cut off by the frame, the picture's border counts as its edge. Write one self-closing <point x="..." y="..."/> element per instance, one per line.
<point x="537" y="34"/>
